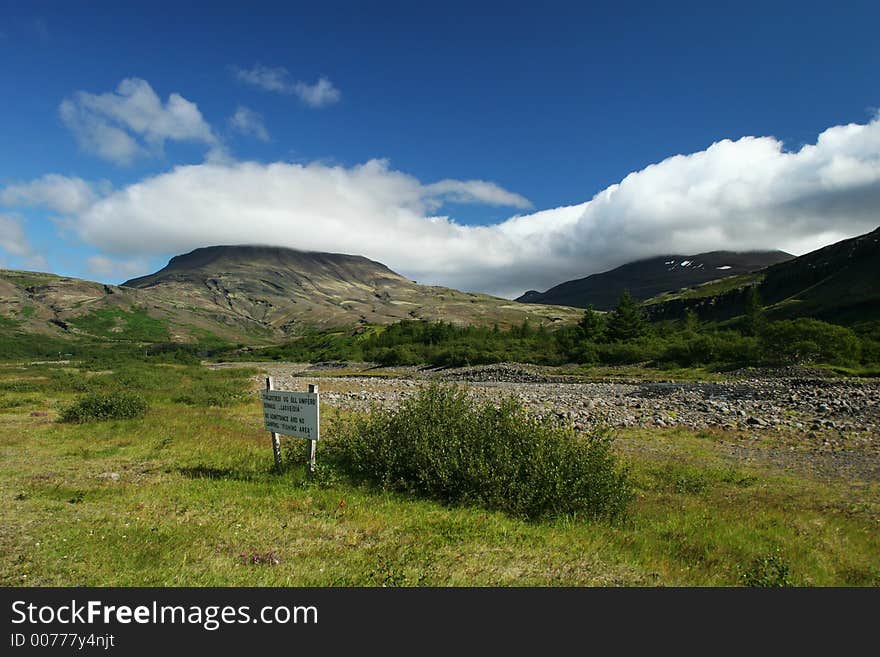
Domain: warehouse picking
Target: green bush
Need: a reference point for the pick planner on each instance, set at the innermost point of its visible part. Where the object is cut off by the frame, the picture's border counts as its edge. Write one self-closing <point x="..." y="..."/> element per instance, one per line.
<point x="626" y="353"/>
<point x="706" y="348"/>
<point x="767" y="571"/>
<point x="807" y="340"/>
<point x="212" y="393"/>
<point x="110" y="406"/>
<point x="443" y="445"/>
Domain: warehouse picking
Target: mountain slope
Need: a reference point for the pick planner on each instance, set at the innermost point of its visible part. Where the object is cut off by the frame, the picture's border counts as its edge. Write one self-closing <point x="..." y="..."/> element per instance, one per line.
<point x="652" y="276"/>
<point x="235" y="294"/>
<point x="285" y="290"/>
<point x="839" y="282"/>
<point x="58" y="307"/>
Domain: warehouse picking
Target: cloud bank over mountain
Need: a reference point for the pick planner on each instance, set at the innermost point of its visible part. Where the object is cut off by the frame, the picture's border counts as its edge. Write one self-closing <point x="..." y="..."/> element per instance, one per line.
<point x="746" y="194"/>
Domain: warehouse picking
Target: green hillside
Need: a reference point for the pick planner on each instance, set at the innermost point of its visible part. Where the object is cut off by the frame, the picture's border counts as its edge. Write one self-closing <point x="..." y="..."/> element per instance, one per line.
<point x="839" y="283"/>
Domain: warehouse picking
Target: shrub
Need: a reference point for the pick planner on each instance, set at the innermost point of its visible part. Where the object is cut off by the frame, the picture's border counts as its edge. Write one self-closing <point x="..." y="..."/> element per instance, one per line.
<point x="767" y="571"/>
<point x="443" y="445"/>
<point x="625" y="353"/>
<point x="212" y="393"/>
<point x="110" y="406"/>
<point x="400" y="355"/>
<point x="807" y="340"/>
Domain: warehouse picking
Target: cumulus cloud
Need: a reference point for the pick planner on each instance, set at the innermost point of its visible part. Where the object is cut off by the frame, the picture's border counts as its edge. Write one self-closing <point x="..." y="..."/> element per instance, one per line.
<point x="59" y="193"/>
<point x="474" y="191"/>
<point x="278" y="80"/>
<point x="745" y="194"/>
<point x="266" y="78"/>
<point x="132" y="121"/>
<point x="248" y="122"/>
<point x="106" y="268"/>
<point x="319" y="94"/>
<point x="14" y="242"/>
<point x="12" y="238"/>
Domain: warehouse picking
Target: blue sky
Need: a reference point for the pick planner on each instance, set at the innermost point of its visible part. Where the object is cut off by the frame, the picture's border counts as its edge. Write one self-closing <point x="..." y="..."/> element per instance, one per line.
<point x="552" y="103"/>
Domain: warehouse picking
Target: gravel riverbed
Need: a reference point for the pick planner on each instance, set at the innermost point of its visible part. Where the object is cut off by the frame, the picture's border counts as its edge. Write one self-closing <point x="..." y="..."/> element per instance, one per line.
<point x="798" y="414"/>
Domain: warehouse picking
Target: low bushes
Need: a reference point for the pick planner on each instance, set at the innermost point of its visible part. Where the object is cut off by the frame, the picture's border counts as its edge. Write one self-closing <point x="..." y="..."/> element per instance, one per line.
<point x="109" y="406"/>
<point x="807" y="340"/>
<point x="213" y="393"/>
<point x="443" y="445"/>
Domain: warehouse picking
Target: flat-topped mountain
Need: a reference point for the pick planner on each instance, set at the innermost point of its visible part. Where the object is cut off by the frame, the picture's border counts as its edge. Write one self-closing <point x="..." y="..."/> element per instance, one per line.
<point x="647" y="278"/>
<point x="244" y="293"/>
<point x="287" y="289"/>
<point x="291" y="265"/>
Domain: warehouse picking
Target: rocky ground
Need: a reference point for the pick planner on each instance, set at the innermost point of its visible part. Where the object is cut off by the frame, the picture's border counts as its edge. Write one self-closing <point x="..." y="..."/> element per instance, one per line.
<point x="827" y="424"/>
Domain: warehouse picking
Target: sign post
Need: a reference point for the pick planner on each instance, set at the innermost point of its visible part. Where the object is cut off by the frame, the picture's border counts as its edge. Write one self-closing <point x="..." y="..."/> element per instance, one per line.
<point x="292" y="414"/>
<point x="312" y="444"/>
<point x="276" y="441"/>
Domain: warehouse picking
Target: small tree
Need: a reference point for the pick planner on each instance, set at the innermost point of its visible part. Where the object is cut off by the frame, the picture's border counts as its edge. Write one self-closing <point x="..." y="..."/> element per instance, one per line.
<point x="691" y="322"/>
<point x="592" y="325"/>
<point x="627" y="321"/>
<point x="755" y="319"/>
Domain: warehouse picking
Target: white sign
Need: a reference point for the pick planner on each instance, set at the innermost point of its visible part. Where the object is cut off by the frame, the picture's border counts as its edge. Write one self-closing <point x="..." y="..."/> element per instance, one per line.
<point x="291" y="413"/>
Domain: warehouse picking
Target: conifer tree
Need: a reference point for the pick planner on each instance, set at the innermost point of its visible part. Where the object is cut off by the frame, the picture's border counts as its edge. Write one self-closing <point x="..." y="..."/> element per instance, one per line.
<point x="691" y="323"/>
<point x="627" y="321"/>
<point x="755" y="319"/>
<point x="592" y="325"/>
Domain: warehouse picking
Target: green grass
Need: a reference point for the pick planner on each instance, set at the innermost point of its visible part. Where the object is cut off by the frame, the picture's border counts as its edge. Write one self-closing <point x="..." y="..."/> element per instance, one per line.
<point x="196" y="502"/>
<point x="710" y="289"/>
<point x="116" y="323"/>
<point x="28" y="279"/>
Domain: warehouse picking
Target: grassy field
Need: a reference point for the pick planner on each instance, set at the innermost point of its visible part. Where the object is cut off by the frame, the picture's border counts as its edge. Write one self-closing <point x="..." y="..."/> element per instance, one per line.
<point x="186" y="496"/>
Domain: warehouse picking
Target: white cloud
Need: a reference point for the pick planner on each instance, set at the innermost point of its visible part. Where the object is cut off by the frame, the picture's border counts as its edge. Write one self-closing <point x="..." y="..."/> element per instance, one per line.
<point x="12" y="238"/>
<point x="14" y="242"/>
<point x="132" y="121"/>
<point x="248" y="122"/>
<point x="319" y="94"/>
<point x="278" y="80"/>
<point x="475" y="191"/>
<point x="59" y="193"/>
<point x="104" y="267"/>
<point x="265" y="78"/>
<point x="744" y="194"/>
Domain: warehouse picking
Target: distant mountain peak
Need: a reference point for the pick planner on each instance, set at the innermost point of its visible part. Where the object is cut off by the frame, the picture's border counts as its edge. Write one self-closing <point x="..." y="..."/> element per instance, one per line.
<point x="649" y="277"/>
<point x="286" y="289"/>
<point x="241" y="257"/>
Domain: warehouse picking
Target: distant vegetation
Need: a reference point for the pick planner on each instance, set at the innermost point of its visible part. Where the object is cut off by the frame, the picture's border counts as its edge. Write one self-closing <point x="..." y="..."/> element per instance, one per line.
<point x="624" y="336"/>
<point x="134" y="325"/>
<point x="621" y="337"/>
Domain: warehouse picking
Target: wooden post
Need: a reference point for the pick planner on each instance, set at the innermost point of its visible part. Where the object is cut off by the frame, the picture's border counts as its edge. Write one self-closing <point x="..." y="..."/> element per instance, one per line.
<point x="276" y="441"/>
<point x="312" y="444"/>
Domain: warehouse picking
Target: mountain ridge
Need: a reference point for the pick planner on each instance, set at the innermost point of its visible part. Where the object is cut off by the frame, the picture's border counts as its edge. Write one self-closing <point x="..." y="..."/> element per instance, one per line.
<point x="647" y="277"/>
<point x="839" y="282"/>
<point x="253" y="294"/>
